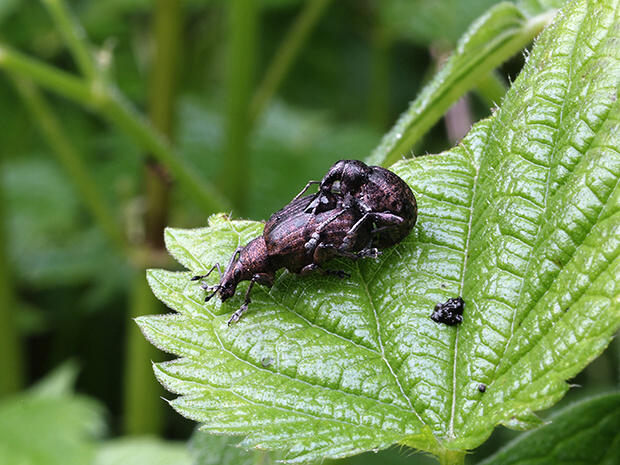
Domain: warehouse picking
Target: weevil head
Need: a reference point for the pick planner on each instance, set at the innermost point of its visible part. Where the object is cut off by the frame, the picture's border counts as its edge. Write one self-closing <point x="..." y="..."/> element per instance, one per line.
<point x="227" y="290"/>
<point x="246" y="262"/>
<point x="345" y="176"/>
<point x="231" y="277"/>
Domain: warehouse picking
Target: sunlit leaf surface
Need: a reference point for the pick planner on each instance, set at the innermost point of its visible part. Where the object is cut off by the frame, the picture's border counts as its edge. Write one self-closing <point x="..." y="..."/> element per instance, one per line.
<point x="522" y="219"/>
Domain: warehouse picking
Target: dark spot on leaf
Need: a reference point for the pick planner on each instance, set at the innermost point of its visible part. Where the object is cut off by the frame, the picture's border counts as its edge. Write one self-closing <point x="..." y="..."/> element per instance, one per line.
<point x="450" y="312"/>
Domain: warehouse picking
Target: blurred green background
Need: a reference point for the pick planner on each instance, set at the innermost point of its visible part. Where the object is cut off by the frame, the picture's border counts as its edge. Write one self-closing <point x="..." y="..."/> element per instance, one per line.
<point x="259" y="96"/>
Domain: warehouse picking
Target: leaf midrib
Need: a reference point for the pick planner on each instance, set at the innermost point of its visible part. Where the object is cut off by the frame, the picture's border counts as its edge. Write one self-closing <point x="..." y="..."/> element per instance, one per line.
<point x="455" y="352"/>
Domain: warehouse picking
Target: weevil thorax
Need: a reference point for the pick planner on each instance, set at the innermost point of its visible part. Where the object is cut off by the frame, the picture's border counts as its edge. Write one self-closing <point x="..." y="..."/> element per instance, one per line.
<point x="252" y="259"/>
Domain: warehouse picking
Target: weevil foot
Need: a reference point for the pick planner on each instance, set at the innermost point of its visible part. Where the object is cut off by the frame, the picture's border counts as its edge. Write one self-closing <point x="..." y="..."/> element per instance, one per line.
<point x="237" y="315"/>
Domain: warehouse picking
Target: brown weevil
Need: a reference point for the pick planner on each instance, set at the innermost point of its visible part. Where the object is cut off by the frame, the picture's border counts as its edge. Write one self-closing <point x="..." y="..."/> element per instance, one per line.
<point x="385" y="200"/>
<point x="283" y="245"/>
<point x="358" y="210"/>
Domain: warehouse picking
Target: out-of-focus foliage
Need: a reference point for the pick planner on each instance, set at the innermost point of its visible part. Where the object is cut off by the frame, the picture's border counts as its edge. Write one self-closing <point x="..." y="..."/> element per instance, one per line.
<point x="587" y="432"/>
<point x="428" y="21"/>
<point x="362" y="65"/>
<point x="49" y="424"/>
<point x="138" y="451"/>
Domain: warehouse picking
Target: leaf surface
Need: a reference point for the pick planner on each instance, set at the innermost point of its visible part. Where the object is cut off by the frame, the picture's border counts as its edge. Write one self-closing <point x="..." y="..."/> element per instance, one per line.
<point x="522" y="219"/>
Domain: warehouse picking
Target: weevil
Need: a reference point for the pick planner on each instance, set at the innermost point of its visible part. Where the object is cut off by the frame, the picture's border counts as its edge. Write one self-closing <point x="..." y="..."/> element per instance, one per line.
<point x="386" y="201"/>
<point x="283" y="244"/>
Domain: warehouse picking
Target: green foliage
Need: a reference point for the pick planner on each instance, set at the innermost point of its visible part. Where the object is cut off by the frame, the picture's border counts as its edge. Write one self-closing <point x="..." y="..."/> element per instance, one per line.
<point x="522" y="219"/>
<point x="208" y="449"/>
<point x="49" y="424"/>
<point x="498" y="34"/>
<point x="587" y="432"/>
<point x="7" y="7"/>
<point x="143" y="450"/>
<point x="428" y="20"/>
<point x="51" y="243"/>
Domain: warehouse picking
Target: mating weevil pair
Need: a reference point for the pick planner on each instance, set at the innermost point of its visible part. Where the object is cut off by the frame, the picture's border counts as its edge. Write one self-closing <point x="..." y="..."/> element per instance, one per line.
<point x="357" y="211"/>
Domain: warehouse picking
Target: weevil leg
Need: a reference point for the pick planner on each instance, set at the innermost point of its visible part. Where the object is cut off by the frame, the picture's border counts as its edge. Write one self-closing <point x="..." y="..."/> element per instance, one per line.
<point x="308" y="269"/>
<point x="338" y="273"/>
<point x="303" y="191"/>
<point x="369" y="252"/>
<point x="315" y="237"/>
<point x="214" y="289"/>
<point x="202" y="276"/>
<point x="266" y="279"/>
<point x="206" y="286"/>
<point x="389" y="218"/>
<point x="325" y="252"/>
<point x="237" y="315"/>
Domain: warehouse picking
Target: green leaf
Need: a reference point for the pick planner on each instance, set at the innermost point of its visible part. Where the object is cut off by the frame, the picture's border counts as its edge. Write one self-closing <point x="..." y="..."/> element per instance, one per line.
<point x="587" y="432"/>
<point x="493" y="38"/>
<point x="426" y="21"/>
<point x="522" y="219"/>
<point x="7" y="7"/>
<point x="49" y="424"/>
<point x="222" y="450"/>
<point x="143" y="450"/>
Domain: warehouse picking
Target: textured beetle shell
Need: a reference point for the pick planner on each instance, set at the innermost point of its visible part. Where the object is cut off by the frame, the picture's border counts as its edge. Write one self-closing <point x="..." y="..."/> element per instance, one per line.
<point x="289" y="230"/>
<point x="385" y="191"/>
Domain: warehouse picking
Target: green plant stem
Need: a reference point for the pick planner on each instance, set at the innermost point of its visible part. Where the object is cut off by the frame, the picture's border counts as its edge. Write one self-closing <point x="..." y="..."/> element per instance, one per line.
<point x="452" y="457"/>
<point x="73" y="163"/>
<point x="112" y="106"/>
<point x="74" y="36"/>
<point x="379" y="93"/>
<point x="242" y="49"/>
<point x="492" y="89"/>
<point x="430" y="107"/>
<point x="47" y="76"/>
<point x="285" y="56"/>
<point x="167" y="26"/>
<point x="11" y="361"/>
<point x="167" y="31"/>
<point x="141" y="388"/>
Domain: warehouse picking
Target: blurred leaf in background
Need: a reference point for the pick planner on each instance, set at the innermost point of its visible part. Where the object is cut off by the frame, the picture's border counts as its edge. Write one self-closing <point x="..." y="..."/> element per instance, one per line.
<point x="586" y="432"/>
<point x="428" y="21"/>
<point x="50" y="424"/>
